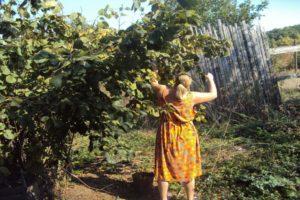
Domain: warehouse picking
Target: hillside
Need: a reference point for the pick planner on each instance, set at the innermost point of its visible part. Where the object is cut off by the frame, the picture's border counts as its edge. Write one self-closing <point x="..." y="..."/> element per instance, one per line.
<point x="284" y="36"/>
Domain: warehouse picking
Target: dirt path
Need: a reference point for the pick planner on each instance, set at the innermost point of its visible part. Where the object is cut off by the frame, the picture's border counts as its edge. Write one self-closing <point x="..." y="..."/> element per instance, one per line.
<point x="103" y="187"/>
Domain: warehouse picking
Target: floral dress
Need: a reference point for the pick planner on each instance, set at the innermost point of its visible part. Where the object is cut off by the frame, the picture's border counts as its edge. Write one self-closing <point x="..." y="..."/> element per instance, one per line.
<point x="177" y="149"/>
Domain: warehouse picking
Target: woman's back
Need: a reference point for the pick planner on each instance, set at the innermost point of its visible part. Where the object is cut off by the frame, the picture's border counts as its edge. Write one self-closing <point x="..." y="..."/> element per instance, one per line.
<point x="177" y="154"/>
<point x="177" y="149"/>
<point x="177" y="110"/>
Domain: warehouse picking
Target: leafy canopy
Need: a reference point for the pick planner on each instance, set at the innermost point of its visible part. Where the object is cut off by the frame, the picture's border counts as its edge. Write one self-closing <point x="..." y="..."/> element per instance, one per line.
<point x="229" y="11"/>
<point x="60" y="75"/>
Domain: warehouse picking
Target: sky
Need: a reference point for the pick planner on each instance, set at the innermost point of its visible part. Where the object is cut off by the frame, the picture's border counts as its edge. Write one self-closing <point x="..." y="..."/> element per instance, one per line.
<point x="280" y="13"/>
<point x="90" y="8"/>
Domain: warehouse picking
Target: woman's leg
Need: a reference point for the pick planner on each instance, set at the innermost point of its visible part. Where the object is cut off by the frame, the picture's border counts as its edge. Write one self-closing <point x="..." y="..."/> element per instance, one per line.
<point x="163" y="189"/>
<point x="190" y="189"/>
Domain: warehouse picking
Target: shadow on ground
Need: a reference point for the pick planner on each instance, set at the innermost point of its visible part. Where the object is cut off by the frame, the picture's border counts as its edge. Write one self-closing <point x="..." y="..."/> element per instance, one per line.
<point x="122" y="189"/>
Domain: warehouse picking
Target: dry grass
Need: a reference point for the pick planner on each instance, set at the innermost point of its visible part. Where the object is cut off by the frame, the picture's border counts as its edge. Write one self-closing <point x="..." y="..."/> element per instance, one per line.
<point x="290" y="89"/>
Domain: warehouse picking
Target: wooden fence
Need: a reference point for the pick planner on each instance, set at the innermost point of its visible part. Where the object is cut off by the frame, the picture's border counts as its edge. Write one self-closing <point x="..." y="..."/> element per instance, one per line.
<point x="285" y="49"/>
<point x="244" y="78"/>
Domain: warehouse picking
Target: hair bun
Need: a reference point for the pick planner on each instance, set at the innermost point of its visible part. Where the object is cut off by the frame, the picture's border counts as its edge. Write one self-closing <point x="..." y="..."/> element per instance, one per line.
<point x="180" y="91"/>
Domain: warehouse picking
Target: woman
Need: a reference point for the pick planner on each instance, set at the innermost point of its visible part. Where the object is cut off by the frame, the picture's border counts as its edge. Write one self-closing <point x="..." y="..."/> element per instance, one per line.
<point x="177" y="150"/>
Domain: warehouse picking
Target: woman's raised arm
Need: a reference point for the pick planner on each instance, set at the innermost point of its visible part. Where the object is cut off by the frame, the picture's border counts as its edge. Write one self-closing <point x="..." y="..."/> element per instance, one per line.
<point x="201" y="97"/>
<point x="158" y="88"/>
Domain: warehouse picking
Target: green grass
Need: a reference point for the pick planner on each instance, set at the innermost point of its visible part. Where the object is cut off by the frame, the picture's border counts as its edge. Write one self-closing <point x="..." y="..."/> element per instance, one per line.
<point x="143" y="144"/>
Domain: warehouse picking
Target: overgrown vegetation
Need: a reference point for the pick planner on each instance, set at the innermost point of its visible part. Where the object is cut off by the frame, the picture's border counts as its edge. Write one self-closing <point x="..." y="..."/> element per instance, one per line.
<point x="263" y="165"/>
<point x="229" y="11"/>
<point x="63" y="80"/>
<point x="243" y="158"/>
<point x="61" y="76"/>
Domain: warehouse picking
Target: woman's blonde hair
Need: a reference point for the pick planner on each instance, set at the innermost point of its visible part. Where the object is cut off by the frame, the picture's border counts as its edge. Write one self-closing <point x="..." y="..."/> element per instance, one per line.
<point x="182" y="84"/>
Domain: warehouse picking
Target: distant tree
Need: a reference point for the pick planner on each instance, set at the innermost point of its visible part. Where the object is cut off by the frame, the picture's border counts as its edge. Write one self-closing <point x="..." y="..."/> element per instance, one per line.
<point x="286" y="36"/>
<point x="289" y="31"/>
<point x="229" y="11"/>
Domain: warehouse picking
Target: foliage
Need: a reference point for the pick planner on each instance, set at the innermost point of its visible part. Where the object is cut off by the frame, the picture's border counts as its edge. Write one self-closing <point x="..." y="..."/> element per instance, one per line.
<point x="60" y="76"/>
<point x="229" y="11"/>
<point x="284" y="36"/>
<point x="266" y="167"/>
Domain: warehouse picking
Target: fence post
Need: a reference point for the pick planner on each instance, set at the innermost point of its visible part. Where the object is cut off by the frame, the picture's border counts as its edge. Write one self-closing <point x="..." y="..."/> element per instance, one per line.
<point x="296" y="58"/>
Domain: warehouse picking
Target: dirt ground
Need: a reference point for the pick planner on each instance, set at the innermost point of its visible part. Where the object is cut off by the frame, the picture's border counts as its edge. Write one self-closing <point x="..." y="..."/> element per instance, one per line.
<point x="102" y="187"/>
<point x="97" y="184"/>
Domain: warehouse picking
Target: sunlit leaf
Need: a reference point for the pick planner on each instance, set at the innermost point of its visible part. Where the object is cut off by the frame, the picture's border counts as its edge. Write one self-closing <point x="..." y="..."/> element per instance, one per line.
<point x="8" y="134"/>
<point x="5" y="70"/>
<point x="2" y="126"/>
<point x="10" y="79"/>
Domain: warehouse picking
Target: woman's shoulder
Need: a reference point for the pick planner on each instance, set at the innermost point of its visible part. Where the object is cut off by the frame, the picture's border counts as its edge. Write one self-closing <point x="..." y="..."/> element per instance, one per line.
<point x="164" y="90"/>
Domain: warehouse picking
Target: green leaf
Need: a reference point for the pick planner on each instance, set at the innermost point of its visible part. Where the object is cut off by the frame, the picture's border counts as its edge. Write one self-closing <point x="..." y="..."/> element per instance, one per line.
<point x="10" y="79"/>
<point x="123" y="153"/>
<point x="133" y="86"/>
<point x="23" y="12"/>
<point x="2" y="98"/>
<point x="3" y="115"/>
<point x="5" y="70"/>
<point x="49" y="4"/>
<point x="56" y="81"/>
<point x="118" y="104"/>
<point x="104" y="11"/>
<point x="136" y="5"/>
<point x="8" y="134"/>
<point x="139" y="94"/>
<point x="2" y="87"/>
<point x="110" y="158"/>
<point x="27" y="93"/>
<point x="19" y="51"/>
<point x="44" y="118"/>
<point x="43" y="56"/>
<point x="2" y="126"/>
<point x="16" y="102"/>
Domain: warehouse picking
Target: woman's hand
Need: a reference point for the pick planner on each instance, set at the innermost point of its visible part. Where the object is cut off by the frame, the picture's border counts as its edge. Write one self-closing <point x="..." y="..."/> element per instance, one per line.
<point x="209" y="76"/>
<point x="154" y="68"/>
<point x="154" y="80"/>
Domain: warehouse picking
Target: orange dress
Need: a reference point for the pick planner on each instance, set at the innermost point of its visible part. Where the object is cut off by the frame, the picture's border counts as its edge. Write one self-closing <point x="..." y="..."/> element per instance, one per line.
<point x="177" y="149"/>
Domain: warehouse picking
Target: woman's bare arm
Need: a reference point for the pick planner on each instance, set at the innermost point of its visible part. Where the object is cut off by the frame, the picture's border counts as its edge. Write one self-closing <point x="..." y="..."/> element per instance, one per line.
<point x="158" y="88"/>
<point x="201" y="97"/>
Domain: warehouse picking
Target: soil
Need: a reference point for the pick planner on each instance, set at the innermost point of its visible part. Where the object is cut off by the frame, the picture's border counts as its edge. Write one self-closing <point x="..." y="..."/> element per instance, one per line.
<point x="103" y="186"/>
